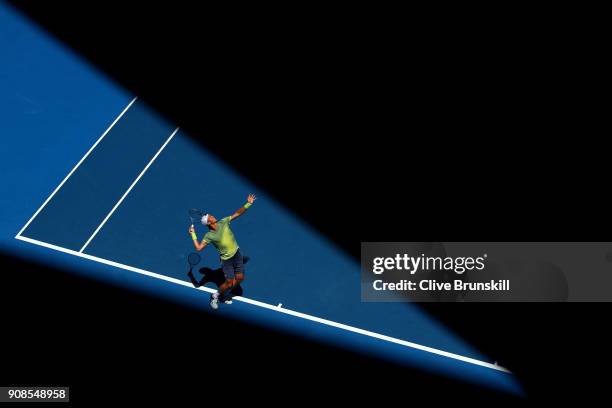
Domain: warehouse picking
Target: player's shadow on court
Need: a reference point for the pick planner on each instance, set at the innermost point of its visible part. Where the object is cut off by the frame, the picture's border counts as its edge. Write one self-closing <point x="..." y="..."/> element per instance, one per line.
<point x="215" y="276"/>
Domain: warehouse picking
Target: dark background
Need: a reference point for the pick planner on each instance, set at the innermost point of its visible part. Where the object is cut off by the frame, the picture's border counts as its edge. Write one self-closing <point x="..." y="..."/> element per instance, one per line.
<point x="446" y="124"/>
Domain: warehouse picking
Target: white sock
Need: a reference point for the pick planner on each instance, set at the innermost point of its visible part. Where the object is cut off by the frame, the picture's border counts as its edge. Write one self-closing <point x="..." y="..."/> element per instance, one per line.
<point x="216" y="295"/>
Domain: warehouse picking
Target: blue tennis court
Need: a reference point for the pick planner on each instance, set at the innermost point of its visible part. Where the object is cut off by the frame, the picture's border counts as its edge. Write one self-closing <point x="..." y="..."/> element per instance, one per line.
<point x="120" y="209"/>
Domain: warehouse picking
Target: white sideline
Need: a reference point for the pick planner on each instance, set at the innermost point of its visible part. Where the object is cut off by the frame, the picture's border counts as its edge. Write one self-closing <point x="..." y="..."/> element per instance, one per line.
<point x="76" y="167"/>
<point x="128" y="190"/>
<point x="269" y="306"/>
<point x="278" y="308"/>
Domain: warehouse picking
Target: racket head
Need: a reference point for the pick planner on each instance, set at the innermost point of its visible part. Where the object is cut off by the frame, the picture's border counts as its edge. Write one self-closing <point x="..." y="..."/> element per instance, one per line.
<point x="195" y="215"/>
<point x="193" y="259"/>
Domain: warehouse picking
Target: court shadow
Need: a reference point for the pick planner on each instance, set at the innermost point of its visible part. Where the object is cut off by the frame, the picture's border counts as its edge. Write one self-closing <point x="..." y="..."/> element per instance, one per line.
<point x="216" y="277"/>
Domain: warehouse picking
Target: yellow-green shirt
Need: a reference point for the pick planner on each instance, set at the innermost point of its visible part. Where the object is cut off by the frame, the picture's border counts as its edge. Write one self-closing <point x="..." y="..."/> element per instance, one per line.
<point x="223" y="239"/>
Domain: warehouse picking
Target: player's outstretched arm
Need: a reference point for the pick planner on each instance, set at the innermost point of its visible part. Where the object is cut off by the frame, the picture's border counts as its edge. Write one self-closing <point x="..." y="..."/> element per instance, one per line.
<point x="198" y="245"/>
<point x="250" y="200"/>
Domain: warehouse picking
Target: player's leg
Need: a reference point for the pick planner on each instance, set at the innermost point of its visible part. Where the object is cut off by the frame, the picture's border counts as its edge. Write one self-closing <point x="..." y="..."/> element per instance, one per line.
<point x="233" y="269"/>
<point x="230" y="281"/>
<point x="226" y="286"/>
<point x="238" y="264"/>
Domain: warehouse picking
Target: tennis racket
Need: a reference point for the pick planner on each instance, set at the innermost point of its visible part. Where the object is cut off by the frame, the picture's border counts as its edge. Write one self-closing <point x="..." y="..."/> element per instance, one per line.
<point x="193" y="260"/>
<point x="195" y="215"/>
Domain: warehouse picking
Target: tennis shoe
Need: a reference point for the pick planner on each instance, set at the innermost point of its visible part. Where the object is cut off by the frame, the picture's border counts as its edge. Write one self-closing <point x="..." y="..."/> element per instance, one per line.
<point x="214" y="302"/>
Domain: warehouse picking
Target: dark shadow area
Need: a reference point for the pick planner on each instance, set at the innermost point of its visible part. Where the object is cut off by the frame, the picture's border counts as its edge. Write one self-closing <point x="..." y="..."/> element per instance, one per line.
<point x="110" y="344"/>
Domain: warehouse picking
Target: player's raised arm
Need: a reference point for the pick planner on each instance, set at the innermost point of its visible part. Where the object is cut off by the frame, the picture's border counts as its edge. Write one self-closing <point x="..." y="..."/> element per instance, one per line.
<point x="250" y="200"/>
<point x="198" y="245"/>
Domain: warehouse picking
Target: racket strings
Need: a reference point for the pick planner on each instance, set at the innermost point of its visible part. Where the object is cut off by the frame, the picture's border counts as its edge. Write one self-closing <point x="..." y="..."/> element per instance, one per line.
<point x="195" y="215"/>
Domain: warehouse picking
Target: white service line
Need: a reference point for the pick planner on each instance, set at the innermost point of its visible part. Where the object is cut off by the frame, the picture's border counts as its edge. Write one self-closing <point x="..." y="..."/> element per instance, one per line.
<point x="76" y="167"/>
<point x="270" y="307"/>
<point x="128" y="190"/>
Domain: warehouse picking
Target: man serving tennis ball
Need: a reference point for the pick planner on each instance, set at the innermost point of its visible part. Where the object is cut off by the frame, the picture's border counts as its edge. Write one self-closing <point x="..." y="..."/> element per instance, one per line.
<point x="222" y="237"/>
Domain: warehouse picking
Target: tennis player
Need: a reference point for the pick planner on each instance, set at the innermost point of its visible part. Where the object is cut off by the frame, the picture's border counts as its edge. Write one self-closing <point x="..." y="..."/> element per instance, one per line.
<point x="221" y="236"/>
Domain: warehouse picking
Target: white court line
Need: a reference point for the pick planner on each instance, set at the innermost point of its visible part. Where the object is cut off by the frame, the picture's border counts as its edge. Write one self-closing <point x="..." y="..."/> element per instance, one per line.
<point x="128" y="190"/>
<point x="76" y="167"/>
<point x="270" y="307"/>
<point x="278" y="308"/>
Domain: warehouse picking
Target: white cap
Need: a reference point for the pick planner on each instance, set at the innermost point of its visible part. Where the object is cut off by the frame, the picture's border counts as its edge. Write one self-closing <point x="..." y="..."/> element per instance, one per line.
<point x="205" y="219"/>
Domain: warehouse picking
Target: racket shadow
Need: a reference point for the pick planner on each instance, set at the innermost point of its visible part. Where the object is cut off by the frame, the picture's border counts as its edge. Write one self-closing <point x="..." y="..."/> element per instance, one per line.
<point x="215" y="276"/>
